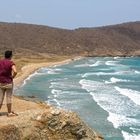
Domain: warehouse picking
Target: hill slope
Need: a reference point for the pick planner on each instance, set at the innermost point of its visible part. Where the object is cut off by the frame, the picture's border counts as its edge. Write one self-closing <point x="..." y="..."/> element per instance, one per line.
<point x="27" y="39"/>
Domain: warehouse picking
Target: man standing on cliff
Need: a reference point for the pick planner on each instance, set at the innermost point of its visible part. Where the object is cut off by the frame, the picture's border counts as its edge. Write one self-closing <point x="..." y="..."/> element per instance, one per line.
<point x="7" y="73"/>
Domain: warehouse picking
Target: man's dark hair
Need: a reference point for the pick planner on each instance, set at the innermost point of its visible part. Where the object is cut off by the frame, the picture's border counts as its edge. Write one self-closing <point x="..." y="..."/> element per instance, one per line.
<point x="8" y="54"/>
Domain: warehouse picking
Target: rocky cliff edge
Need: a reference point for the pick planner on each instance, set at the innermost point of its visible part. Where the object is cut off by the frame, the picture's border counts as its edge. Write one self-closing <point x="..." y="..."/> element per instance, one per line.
<point x="39" y="121"/>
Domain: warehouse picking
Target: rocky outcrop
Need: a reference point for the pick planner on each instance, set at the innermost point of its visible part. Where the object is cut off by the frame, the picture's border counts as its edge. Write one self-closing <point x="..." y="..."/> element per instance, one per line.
<point x="10" y="132"/>
<point x="47" y="124"/>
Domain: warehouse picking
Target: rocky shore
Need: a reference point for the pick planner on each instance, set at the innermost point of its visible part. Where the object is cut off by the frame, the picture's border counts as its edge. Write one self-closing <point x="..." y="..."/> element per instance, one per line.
<point x="40" y="121"/>
<point x="45" y="123"/>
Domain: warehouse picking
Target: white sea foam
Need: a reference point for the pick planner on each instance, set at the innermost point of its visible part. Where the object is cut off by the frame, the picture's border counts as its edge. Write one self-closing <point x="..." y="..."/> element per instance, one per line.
<point x="42" y="71"/>
<point x="108" y="73"/>
<point x="137" y="72"/>
<point x="135" y="129"/>
<point x="117" y="57"/>
<point x="105" y="69"/>
<point x="82" y="65"/>
<point x="101" y="73"/>
<point x="56" y="93"/>
<point x="89" y="85"/>
<point x="111" y="63"/>
<point x="115" y="80"/>
<point x="107" y="82"/>
<point x="115" y="119"/>
<point x="29" y="77"/>
<point x="132" y="94"/>
<point x="128" y="136"/>
<point x="53" y="100"/>
<point x="70" y="102"/>
<point x="121" y="120"/>
<point x="117" y="111"/>
<point x="97" y="63"/>
<point x="57" y="102"/>
<point x="45" y="70"/>
<point x="111" y="102"/>
<point x="87" y="74"/>
<point x="53" y="71"/>
<point x="64" y="85"/>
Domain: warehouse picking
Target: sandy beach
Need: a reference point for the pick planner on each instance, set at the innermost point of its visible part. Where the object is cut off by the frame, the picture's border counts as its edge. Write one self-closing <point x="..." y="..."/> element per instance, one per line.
<point x="30" y="68"/>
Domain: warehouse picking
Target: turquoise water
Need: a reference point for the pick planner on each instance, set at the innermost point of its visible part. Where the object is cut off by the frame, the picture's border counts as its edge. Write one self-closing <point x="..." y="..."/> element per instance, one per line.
<point x="104" y="91"/>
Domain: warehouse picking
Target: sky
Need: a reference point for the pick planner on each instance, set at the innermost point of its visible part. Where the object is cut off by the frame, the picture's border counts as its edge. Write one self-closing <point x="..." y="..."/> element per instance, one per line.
<point x="70" y="14"/>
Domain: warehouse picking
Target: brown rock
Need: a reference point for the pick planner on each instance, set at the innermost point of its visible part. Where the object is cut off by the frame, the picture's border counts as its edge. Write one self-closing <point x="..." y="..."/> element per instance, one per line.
<point x="10" y="132"/>
<point x="46" y="124"/>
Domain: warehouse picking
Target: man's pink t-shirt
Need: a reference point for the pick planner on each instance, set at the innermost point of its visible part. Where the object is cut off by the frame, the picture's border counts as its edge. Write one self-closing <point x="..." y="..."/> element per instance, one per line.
<point x="6" y="71"/>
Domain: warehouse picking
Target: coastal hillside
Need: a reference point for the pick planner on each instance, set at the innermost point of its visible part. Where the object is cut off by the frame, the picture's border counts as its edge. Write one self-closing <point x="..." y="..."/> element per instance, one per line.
<point x="37" y="40"/>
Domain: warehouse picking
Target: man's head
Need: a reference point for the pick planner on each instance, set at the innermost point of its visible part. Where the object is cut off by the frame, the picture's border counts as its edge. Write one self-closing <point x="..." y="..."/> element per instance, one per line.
<point x="8" y="54"/>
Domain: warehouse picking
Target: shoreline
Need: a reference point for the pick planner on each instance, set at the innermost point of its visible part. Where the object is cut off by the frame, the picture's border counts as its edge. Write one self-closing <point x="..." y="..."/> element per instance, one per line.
<point x="29" y="69"/>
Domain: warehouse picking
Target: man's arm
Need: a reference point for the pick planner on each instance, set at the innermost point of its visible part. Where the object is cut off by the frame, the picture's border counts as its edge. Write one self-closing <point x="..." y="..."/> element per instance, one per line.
<point x="14" y="71"/>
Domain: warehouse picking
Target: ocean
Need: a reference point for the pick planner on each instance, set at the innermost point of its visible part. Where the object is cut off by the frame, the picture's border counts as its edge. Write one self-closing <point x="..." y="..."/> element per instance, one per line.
<point x="104" y="91"/>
